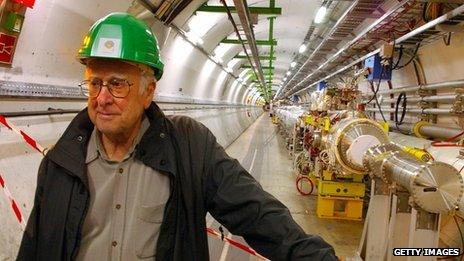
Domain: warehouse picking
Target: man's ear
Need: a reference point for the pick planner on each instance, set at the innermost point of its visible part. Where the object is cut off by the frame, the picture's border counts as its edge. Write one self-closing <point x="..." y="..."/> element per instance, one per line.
<point x="149" y="94"/>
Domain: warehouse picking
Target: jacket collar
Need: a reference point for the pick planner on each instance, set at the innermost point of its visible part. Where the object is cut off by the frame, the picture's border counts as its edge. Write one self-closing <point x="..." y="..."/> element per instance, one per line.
<point x="155" y="149"/>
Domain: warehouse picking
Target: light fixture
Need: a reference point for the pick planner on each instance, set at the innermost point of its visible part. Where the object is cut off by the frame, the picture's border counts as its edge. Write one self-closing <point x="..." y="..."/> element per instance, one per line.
<point x="320" y="14"/>
<point x="288" y="73"/>
<point x="285" y="78"/>
<point x="302" y="48"/>
<point x="293" y="64"/>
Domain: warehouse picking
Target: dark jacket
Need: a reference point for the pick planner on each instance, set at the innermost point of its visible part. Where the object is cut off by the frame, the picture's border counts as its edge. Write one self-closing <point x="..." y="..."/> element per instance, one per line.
<point x="203" y="179"/>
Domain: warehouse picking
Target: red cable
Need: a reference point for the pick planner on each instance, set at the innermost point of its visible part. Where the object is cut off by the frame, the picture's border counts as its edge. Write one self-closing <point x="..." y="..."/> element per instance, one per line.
<point x="448" y="142"/>
<point x="300" y="189"/>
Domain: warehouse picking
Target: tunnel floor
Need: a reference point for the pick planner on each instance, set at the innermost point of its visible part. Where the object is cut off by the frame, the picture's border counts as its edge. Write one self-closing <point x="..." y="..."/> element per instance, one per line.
<point x="261" y="150"/>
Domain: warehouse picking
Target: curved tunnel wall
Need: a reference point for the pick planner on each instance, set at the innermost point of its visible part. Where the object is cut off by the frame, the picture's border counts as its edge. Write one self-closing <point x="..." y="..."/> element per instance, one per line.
<point x="53" y="31"/>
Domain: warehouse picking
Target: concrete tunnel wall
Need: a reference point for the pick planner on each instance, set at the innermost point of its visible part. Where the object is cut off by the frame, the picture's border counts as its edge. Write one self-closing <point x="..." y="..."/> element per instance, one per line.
<point x="45" y="54"/>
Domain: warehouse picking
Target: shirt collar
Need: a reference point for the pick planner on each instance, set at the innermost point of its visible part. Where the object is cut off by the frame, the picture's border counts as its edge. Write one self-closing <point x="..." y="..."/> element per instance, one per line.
<point x="95" y="147"/>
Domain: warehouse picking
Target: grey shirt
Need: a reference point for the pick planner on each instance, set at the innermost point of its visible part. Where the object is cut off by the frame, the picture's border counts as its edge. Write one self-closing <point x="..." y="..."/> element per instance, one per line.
<point x="127" y="201"/>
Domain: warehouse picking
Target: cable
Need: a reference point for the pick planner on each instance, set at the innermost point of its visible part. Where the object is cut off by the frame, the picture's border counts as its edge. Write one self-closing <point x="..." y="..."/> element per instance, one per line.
<point x="403" y="97"/>
<point x="448" y="142"/>
<point x="424" y="12"/>
<point x="375" y="94"/>
<point x="400" y="56"/>
<point x="374" y="91"/>
<point x="299" y="185"/>
<point x="412" y="57"/>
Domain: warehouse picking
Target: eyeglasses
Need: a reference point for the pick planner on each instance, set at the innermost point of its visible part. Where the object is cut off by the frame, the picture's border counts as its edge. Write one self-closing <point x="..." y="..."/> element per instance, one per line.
<point x="119" y="88"/>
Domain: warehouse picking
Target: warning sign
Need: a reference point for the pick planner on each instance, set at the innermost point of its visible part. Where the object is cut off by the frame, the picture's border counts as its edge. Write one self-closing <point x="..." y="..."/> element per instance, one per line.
<point x="7" y="44"/>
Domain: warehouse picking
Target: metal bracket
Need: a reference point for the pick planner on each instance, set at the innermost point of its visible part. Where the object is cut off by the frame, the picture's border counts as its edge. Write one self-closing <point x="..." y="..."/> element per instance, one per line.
<point x="36" y="90"/>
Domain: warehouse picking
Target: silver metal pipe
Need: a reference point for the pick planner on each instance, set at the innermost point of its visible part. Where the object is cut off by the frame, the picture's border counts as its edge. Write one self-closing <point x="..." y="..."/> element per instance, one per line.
<point x="432" y="86"/>
<point x="437" y="98"/>
<point x="436" y="187"/>
<point x="434" y="131"/>
<point x="430" y="130"/>
<point x="243" y="14"/>
<point x="433" y="111"/>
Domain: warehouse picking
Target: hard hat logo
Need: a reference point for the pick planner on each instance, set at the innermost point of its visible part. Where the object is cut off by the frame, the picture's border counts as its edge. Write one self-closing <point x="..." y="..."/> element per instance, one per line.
<point x="109" y="44"/>
<point x="121" y="36"/>
<point x="108" y="47"/>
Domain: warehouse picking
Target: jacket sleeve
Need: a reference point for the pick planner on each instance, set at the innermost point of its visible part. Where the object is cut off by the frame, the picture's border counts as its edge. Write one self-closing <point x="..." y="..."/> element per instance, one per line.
<point x="28" y="248"/>
<point x="236" y="200"/>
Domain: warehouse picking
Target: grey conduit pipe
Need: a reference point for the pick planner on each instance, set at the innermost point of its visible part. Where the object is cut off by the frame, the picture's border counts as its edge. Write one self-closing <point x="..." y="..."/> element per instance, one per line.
<point x="428" y="130"/>
<point x="433" y="111"/>
<point x="437" y="98"/>
<point x="432" y="86"/>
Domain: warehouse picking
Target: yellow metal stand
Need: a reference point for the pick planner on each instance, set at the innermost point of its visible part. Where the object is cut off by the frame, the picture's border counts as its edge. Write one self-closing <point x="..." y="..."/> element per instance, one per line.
<point x="339" y="207"/>
<point x="340" y="199"/>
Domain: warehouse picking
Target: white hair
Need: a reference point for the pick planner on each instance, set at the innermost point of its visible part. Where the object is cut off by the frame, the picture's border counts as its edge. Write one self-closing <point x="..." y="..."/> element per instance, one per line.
<point x="145" y="80"/>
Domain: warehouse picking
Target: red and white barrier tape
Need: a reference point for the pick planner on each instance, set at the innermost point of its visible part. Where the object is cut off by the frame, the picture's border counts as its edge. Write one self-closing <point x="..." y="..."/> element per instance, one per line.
<point x="235" y="243"/>
<point x="34" y="144"/>
<point x="14" y="205"/>
<point x="23" y="135"/>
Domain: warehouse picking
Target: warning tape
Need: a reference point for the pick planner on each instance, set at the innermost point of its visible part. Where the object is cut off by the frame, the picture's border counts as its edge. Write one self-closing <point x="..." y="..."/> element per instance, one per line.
<point x="23" y="135"/>
<point x="34" y="144"/>
<point x="13" y="203"/>
<point x="235" y="243"/>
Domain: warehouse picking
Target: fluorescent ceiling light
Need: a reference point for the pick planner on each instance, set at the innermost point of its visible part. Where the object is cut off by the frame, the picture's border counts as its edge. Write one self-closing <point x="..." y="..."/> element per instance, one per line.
<point x="302" y="48"/>
<point x="293" y="64"/>
<point x="320" y="14"/>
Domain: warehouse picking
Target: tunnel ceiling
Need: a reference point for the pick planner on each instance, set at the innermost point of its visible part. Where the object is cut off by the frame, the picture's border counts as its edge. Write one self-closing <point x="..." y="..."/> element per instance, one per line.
<point x="348" y="30"/>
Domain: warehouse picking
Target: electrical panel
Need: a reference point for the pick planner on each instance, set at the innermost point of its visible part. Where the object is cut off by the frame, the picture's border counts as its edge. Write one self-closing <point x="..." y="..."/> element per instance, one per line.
<point x="321" y="85"/>
<point x="377" y="70"/>
<point x="12" y="13"/>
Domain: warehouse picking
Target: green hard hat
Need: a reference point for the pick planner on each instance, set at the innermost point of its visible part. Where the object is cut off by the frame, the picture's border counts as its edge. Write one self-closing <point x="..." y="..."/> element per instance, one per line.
<point x="122" y="36"/>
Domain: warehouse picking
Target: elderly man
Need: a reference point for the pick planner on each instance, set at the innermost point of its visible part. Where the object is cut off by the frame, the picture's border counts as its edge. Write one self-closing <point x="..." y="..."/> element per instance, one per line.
<point x="126" y="182"/>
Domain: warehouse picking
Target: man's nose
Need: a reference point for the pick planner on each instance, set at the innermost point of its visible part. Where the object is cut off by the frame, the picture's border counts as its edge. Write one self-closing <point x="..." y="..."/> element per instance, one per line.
<point x="104" y="97"/>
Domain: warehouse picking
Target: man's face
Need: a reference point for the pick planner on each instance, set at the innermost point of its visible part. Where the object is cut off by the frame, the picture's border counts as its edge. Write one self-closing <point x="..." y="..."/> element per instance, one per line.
<point x="117" y="116"/>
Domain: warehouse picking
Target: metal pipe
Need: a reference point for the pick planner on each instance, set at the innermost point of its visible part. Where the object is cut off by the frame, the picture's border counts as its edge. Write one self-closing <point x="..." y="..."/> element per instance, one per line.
<point x="61" y="111"/>
<point x="429" y="130"/>
<point x="434" y="131"/>
<point x="427" y="87"/>
<point x="433" y="111"/>
<point x="435" y="187"/>
<point x="436" y="98"/>
<point x="243" y="14"/>
<point x="411" y="34"/>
